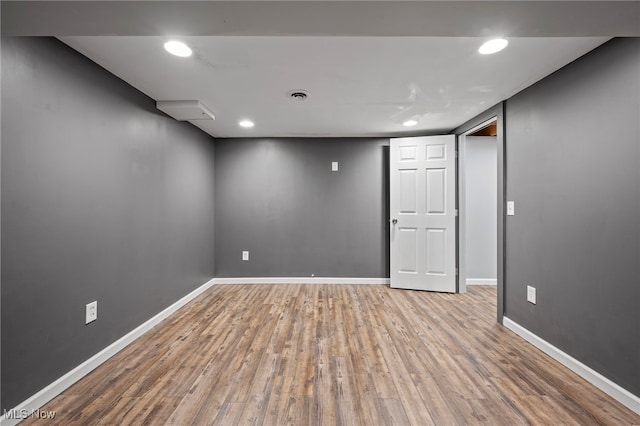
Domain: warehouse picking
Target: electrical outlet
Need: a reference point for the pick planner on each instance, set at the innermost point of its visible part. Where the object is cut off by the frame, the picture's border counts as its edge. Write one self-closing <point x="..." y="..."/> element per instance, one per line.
<point x="511" y="208"/>
<point x="245" y="255"/>
<point x="91" y="312"/>
<point x="334" y="166"/>
<point x="531" y="294"/>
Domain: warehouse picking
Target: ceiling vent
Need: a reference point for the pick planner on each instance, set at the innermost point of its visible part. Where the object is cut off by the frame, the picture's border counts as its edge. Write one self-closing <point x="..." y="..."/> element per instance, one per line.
<point x="298" y="95"/>
<point x="185" y="110"/>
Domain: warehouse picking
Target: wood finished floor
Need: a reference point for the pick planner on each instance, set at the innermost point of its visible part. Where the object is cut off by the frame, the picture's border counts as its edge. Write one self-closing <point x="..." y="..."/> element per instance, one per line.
<point x="334" y="354"/>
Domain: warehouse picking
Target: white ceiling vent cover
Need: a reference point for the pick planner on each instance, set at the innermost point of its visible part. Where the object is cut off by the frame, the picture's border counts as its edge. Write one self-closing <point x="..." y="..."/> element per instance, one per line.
<point x="185" y="110"/>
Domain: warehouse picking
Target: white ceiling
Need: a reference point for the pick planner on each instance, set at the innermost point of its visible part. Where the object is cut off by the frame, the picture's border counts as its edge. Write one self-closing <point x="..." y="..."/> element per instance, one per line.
<point x="358" y="86"/>
<point x="368" y="65"/>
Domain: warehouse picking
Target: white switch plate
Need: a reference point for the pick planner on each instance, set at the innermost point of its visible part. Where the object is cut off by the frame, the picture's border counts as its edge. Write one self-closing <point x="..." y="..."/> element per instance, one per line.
<point x="334" y="166"/>
<point x="531" y="294"/>
<point x="511" y="208"/>
<point x="91" y="312"/>
<point x="245" y="255"/>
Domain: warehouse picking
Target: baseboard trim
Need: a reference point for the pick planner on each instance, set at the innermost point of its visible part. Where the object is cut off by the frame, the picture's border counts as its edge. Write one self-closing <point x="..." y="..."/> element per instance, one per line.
<point x="33" y="403"/>
<point x="612" y="389"/>
<point x="300" y="280"/>
<point x="482" y="281"/>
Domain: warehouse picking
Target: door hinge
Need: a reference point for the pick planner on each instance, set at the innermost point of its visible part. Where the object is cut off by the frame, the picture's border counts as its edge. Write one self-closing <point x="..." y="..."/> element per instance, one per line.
<point x="457" y="271"/>
<point x="456" y="212"/>
<point x="456" y="154"/>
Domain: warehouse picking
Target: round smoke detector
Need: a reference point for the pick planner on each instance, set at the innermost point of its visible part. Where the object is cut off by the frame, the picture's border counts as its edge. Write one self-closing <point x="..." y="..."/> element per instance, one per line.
<point x="298" y="95"/>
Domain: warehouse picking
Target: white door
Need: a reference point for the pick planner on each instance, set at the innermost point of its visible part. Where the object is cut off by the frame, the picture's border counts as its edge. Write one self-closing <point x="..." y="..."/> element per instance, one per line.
<point x="422" y="212"/>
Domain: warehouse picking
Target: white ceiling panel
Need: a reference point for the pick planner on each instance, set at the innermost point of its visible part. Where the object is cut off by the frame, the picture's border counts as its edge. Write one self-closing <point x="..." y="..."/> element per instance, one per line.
<point x="358" y="86"/>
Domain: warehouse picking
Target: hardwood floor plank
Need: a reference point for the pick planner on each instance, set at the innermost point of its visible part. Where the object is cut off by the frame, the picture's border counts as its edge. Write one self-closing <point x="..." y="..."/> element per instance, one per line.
<point x="260" y="390"/>
<point x="395" y="414"/>
<point x="334" y="354"/>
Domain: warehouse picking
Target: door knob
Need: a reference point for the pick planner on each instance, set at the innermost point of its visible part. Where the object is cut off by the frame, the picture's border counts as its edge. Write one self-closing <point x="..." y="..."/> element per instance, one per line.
<point x="394" y="221"/>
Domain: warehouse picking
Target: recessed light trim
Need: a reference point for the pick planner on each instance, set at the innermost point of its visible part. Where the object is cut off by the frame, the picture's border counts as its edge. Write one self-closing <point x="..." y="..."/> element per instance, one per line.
<point x="178" y="48"/>
<point x="493" y="46"/>
<point x="409" y="123"/>
<point x="246" y="124"/>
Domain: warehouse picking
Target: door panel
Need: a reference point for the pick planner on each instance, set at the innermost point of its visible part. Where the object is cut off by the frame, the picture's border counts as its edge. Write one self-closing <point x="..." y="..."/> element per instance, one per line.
<point x="408" y="196"/>
<point x="408" y="152"/>
<point x="407" y="247"/>
<point x="422" y="207"/>
<point x="436" y="191"/>
<point x="436" y="251"/>
<point x="436" y="152"/>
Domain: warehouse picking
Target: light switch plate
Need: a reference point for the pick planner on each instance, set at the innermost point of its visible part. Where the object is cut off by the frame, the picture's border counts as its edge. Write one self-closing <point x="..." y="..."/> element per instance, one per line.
<point x="531" y="294"/>
<point x="511" y="208"/>
<point x="334" y="166"/>
<point x="245" y="255"/>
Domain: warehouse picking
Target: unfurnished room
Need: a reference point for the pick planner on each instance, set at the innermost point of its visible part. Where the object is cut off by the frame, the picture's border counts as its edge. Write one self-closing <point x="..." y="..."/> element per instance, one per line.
<point x="320" y="212"/>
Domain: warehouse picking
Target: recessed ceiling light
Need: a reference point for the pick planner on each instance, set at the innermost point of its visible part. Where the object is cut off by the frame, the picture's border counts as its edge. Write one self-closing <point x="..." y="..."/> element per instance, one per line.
<point x="410" y="123"/>
<point x="177" y="48"/>
<point x="493" y="46"/>
<point x="246" y="123"/>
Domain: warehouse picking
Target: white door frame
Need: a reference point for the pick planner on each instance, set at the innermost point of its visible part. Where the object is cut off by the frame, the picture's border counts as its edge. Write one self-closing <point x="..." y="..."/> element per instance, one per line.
<point x="496" y="112"/>
<point x="462" y="203"/>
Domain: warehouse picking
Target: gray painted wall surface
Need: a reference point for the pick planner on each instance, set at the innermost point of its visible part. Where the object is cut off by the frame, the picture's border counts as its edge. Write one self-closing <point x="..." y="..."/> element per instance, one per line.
<point x="103" y="198"/>
<point x="481" y="173"/>
<point x="279" y="199"/>
<point x="573" y="169"/>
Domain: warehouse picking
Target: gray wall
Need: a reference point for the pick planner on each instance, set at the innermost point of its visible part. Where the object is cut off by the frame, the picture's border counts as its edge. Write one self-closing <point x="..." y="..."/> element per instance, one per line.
<point x="103" y="198"/>
<point x="279" y="199"/>
<point x="573" y="170"/>
<point x="481" y="178"/>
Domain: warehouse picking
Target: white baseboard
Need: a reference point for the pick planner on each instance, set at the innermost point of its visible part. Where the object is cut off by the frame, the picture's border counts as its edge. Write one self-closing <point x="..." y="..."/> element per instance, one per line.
<point x="482" y="281"/>
<point x="33" y="403"/>
<point x="612" y="389"/>
<point x="300" y="280"/>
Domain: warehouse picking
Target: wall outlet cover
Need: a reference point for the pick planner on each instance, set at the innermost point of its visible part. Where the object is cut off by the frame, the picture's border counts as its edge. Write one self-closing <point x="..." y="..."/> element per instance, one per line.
<point x="91" y="312"/>
<point x="511" y="208"/>
<point x="334" y="166"/>
<point x="245" y="255"/>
